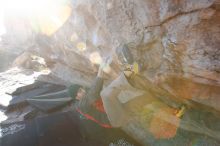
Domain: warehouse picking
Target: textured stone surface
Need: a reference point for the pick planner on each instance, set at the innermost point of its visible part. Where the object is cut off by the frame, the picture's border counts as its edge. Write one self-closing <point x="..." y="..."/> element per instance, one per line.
<point x="176" y="40"/>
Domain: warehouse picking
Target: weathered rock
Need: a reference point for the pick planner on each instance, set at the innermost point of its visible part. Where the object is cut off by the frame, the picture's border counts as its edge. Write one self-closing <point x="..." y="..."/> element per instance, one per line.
<point x="177" y="41"/>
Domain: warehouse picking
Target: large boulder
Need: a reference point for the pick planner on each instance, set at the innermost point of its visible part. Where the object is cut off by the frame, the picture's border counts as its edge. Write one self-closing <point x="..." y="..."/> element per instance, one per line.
<point x="176" y="41"/>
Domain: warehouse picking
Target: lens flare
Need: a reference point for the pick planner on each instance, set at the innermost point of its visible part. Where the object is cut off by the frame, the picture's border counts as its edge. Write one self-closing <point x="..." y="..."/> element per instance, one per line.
<point x="2" y="26"/>
<point x="3" y="117"/>
<point x="95" y="58"/>
<point x="50" y="22"/>
<point x="45" y="16"/>
<point x="107" y="69"/>
<point x="74" y="37"/>
<point x="81" y="46"/>
<point x="5" y="99"/>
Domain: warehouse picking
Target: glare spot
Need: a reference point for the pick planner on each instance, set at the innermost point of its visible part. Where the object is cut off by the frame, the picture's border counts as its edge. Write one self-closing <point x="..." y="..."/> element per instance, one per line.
<point x="74" y="37"/>
<point x="81" y="46"/>
<point x="2" y="26"/>
<point x="95" y="58"/>
<point x="38" y="59"/>
<point x="46" y="16"/>
<point x="5" y="99"/>
<point x="46" y="71"/>
<point x="51" y="22"/>
<point x="107" y="69"/>
<point x="3" y="117"/>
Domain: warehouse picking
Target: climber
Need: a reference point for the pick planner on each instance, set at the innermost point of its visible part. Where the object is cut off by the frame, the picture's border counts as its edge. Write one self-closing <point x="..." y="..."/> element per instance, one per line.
<point x="88" y="102"/>
<point x="94" y="123"/>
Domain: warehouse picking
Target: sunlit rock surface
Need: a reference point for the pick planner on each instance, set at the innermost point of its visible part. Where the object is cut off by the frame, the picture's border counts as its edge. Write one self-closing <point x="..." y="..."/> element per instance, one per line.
<point x="177" y="41"/>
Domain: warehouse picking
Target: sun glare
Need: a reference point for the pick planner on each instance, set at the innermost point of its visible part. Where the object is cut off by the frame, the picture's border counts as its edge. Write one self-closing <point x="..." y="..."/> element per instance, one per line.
<point x="95" y="58"/>
<point x="28" y="7"/>
<point x="2" y="26"/>
<point x="45" y="16"/>
<point x="2" y="116"/>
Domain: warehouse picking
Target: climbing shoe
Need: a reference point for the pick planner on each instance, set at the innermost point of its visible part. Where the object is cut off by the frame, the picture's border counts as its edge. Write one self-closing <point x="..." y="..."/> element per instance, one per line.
<point x="126" y="59"/>
<point x="181" y="112"/>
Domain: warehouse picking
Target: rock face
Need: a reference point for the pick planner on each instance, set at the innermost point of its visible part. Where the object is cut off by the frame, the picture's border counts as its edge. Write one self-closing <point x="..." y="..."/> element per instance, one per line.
<point x="177" y="41"/>
<point x="173" y="39"/>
